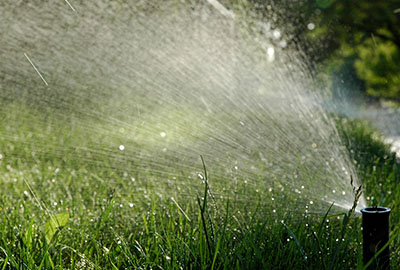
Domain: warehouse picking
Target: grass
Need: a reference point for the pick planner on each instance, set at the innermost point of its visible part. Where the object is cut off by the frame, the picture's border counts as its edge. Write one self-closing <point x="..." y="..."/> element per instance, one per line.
<point x="60" y="210"/>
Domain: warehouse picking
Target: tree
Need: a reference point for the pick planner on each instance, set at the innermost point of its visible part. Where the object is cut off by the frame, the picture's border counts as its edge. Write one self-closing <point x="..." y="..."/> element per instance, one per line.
<point x="368" y="32"/>
<point x="359" y="39"/>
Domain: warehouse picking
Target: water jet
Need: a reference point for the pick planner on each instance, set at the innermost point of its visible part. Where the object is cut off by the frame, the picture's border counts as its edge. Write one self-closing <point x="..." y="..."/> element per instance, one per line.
<point x="375" y="224"/>
<point x="184" y="81"/>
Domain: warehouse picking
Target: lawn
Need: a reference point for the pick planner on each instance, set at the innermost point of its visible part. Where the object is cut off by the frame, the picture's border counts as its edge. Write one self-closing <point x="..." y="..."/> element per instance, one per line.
<point x="68" y="205"/>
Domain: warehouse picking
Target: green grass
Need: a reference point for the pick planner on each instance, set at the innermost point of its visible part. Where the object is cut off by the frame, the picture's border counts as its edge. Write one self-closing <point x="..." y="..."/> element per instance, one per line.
<point x="60" y="210"/>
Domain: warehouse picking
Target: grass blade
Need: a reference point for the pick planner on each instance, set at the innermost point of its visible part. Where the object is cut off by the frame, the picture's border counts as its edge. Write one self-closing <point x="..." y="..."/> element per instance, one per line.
<point x="296" y="241"/>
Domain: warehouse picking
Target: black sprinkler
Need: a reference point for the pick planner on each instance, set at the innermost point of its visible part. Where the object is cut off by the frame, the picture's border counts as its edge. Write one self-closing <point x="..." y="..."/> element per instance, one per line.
<point x="375" y="223"/>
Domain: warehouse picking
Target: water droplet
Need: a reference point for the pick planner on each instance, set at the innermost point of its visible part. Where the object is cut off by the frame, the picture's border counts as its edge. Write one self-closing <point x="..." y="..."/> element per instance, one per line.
<point x="271" y="51"/>
<point x="271" y="54"/>
<point x="276" y="34"/>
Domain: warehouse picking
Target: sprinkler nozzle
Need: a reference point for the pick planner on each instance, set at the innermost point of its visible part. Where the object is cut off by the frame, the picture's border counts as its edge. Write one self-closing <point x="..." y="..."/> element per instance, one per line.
<point x="375" y="224"/>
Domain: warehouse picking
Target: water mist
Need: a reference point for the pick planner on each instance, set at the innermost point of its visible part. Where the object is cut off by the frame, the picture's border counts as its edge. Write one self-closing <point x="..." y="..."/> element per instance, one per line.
<point x="146" y="88"/>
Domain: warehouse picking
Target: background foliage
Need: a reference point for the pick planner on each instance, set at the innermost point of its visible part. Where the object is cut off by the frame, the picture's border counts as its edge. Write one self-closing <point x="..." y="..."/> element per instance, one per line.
<point x="355" y="40"/>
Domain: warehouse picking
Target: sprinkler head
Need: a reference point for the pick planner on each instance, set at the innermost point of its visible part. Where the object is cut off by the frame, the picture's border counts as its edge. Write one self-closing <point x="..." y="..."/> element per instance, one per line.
<point x="375" y="224"/>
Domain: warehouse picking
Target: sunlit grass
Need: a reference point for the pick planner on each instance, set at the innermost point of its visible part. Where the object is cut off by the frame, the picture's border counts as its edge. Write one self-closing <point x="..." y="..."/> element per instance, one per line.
<point x="102" y="217"/>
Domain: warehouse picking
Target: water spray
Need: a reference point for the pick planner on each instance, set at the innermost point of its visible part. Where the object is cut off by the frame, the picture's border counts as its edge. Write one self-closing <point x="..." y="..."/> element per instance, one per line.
<point x="375" y="224"/>
<point x="184" y="81"/>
